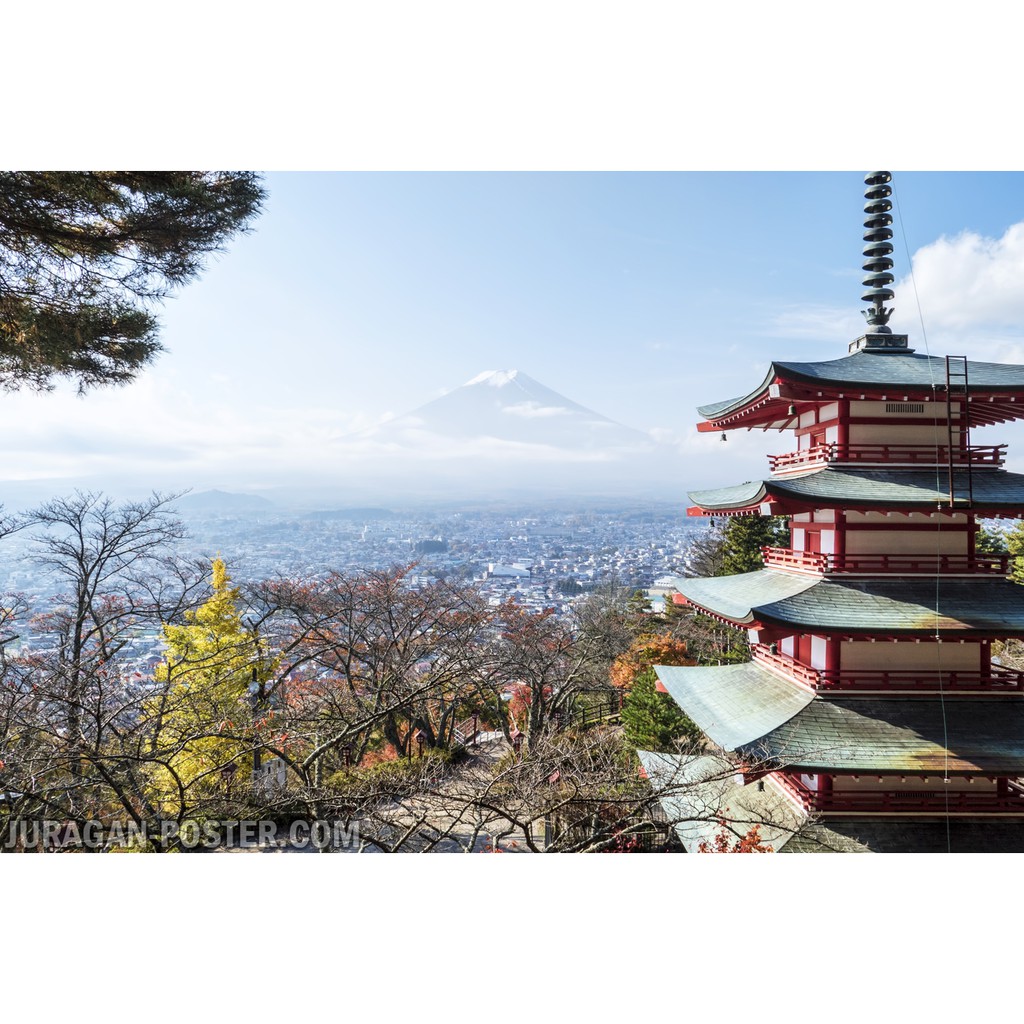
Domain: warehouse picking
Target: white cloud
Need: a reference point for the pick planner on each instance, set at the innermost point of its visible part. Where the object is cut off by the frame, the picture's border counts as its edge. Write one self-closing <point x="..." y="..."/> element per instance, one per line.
<point x="534" y="410"/>
<point x="154" y="432"/>
<point x="422" y="445"/>
<point x="971" y="294"/>
<point x="967" y="284"/>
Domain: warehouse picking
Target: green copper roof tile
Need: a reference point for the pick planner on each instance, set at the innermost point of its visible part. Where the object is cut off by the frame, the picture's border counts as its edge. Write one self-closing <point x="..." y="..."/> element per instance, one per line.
<point x="993" y="489"/>
<point x="917" y="605"/>
<point x="883" y="369"/>
<point x="697" y="792"/>
<point x="899" y="368"/>
<point x="733" y="704"/>
<point x="736" y="496"/>
<point x="864" y="735"/>
<point x="866" y="835"/>
<point x="949" y="607"/>
<point x="735" y="596"/>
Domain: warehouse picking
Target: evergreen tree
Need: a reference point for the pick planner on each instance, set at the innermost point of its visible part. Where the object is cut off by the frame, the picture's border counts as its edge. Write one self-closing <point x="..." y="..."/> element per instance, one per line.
<point x="1015" y="546"/>
<point x="730" y="546"/>
<point x="83" y="255"/>
<point x="652" y="720"/>
<point x="743" y="537"/>
<point x="990" y="541"/>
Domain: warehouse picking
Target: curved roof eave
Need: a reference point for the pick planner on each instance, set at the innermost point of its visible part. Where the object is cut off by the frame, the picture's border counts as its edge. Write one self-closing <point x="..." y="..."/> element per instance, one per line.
<point x="895" y="606"/>
<point x="745" y="495"/>
<point x="925" y="606"/>
<point x="734" y="705"/>
<point x="899" y="735"/>
<point x="717" y="409"/>
<point x="887" y="369"/>
<point x="697" y="792"/>
<point x="993" y="490"/>
<point x="737" y="597"/>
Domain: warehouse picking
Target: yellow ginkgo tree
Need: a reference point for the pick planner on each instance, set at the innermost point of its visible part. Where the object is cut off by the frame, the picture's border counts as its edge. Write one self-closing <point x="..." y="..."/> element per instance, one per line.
<point x="203" y="718"/>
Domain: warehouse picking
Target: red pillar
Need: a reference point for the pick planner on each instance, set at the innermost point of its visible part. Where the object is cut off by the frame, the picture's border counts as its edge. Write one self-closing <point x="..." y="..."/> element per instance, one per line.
<point x="832" y="648"/>
<point x="844" y="421"/>
<point x="824" y="791"/>
<point x="839" y="532"/>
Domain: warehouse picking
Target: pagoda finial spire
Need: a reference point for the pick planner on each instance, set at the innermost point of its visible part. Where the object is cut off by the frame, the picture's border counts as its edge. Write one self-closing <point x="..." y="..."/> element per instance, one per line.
<point x="877" y="250"/>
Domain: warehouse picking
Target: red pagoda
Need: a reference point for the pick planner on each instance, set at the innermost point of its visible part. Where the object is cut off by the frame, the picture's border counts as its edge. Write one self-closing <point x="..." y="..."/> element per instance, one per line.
<point x="872" y="716"/>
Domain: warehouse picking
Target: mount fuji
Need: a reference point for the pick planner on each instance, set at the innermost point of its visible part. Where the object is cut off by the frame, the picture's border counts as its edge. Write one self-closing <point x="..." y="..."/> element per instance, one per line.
<point x="501" y="434"/>
<point x="510" y="407"/>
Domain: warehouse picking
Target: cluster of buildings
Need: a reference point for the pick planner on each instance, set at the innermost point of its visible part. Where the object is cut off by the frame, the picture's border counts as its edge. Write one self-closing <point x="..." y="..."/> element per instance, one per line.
<point x="543" y="559"/>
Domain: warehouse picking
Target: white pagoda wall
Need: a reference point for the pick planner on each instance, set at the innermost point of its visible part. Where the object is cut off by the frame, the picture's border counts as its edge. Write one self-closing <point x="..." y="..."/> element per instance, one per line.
<point x="914" y="783"/>
<point x="897" y="434"/>
<point x="926" y="656"/>
<point x="909" y="542"/>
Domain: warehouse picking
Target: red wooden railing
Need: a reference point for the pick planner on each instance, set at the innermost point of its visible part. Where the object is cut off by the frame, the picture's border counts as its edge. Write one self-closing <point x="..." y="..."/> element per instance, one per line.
<point x="940" y="800"/>
<point x="888" y="455"/>
<point x="789" y="667"/>
<point x="829" y="564"/>
<point x="797" y="561"/>
<point x="995" y="678"/>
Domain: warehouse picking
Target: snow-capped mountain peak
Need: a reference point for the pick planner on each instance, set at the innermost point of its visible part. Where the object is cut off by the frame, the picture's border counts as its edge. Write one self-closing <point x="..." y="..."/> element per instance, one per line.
<point x="503" y="430"/>
<point x="494" y="378"/>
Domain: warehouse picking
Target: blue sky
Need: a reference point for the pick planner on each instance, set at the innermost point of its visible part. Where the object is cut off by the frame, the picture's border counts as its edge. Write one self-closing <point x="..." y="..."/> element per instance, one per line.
<point x="640" y="295"/>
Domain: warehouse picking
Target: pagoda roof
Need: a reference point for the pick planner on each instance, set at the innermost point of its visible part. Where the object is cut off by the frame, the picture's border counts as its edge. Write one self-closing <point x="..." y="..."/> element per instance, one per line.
<point x="738" y="598"/>
<point x="898" y="374"/>
<point x="922" y="605"/>
<point x="952" y="835"/>
<point x="698" y="792"/>
<point x="764" y="717"/>
<point x="978" y="734"/>
<point x="993" y="490"/>
<point x="733" y="704"/>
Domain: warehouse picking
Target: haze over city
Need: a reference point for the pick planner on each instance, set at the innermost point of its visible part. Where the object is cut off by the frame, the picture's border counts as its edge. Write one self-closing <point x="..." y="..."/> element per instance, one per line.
<point x="360" y="297"/>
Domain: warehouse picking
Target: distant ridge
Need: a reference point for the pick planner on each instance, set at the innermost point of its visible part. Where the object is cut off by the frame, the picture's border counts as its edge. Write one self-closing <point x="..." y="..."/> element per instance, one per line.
<point x="223" y="501"/>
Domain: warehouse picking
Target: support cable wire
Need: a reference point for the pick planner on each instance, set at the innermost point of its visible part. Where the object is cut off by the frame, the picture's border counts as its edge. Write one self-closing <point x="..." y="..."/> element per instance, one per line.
<point x="938" y="491"/>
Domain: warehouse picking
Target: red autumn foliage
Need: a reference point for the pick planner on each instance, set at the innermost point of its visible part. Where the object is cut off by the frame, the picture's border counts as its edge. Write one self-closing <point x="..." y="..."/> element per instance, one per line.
<point x="646" y="651"/>
<point x="725" y="842"/>
<point x="386" y="753"/>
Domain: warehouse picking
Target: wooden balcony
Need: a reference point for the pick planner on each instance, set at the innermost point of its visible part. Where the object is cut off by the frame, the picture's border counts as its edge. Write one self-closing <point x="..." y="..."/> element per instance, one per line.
<point x="887" y="455"/>
<point x="874" y="565"/>
<point x="785" y="665"/>
<point x="899" y="800"/>
<point x="994" y="680"/>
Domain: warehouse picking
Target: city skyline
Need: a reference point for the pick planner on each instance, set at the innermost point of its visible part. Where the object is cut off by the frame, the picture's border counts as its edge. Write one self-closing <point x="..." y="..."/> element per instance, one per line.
<point x="361" y="296"/>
